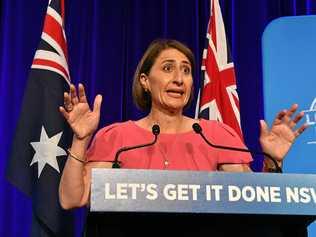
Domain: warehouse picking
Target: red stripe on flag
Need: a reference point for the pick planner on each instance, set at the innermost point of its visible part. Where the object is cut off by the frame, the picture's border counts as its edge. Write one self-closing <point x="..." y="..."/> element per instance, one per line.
<point x="50" y="63"/>
<point x="62" y="8"/>
<point x="54" y="30"/>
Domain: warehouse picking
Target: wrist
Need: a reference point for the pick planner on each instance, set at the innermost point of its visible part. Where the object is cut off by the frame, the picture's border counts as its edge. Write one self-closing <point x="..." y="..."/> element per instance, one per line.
<point x="81" y="142"/>
<point x="75" y="157"/>
<point x="79" y="147"/>
<point x="269" y="166"/>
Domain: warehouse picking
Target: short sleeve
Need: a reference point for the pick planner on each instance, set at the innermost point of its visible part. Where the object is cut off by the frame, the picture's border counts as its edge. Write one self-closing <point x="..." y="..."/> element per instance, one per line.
<point x="105" y="144"/>
<point x="222" y="134"/>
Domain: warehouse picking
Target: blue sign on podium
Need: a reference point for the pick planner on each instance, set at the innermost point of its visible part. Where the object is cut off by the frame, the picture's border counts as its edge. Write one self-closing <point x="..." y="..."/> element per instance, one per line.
<point x="134" y="190"/>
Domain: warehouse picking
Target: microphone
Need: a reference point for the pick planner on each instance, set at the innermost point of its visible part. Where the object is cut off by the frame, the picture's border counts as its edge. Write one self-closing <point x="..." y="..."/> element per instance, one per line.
<point x="198" y="129"/>
<point x="155" y="130"/>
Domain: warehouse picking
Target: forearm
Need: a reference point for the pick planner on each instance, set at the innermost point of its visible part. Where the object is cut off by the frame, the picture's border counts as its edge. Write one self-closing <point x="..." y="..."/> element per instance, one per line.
<point x="72" y="185"/>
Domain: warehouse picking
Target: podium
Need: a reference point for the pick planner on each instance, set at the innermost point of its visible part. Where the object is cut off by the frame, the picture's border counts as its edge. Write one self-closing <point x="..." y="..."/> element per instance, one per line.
<point x="190" y="203"/>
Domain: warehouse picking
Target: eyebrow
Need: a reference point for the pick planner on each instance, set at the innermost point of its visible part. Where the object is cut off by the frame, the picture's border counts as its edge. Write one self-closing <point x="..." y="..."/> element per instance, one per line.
<point x="172" y="61"/>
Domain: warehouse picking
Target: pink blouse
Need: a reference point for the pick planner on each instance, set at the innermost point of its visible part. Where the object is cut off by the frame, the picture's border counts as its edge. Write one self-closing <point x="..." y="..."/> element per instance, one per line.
<point x="181" y="151"/>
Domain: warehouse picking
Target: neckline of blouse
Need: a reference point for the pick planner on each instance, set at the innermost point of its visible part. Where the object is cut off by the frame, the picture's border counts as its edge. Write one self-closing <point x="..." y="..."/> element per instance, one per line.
<point x="164" y="134"/>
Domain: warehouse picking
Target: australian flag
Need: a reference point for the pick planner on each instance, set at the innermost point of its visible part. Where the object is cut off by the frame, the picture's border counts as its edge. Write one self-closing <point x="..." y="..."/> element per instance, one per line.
<point x="42" y="136"/>
<point x="218" y="98"/>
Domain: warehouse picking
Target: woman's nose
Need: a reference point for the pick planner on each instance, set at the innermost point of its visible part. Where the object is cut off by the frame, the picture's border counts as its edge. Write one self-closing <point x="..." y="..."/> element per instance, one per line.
<point x="178" y="77"/>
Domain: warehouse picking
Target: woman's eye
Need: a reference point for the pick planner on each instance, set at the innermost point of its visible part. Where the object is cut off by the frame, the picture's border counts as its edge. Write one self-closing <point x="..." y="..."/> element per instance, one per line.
<point x="167" y="68"/>
<point x="187" y="70"/>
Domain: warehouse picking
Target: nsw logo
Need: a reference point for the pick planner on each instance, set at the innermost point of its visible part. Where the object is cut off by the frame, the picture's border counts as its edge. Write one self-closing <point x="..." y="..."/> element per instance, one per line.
<point x="310" y="116"/>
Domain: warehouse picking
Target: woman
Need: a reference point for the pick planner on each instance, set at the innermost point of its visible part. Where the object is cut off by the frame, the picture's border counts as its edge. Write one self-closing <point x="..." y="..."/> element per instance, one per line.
<point x="163" y="85"/>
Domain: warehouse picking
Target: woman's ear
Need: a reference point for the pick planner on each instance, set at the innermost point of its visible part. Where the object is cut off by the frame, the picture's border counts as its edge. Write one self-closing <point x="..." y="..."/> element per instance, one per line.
<point x="143" y="79"/>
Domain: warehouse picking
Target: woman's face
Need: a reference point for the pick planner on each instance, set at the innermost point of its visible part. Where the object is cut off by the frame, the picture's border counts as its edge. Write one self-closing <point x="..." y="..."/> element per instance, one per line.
<point x="169" y="81"/>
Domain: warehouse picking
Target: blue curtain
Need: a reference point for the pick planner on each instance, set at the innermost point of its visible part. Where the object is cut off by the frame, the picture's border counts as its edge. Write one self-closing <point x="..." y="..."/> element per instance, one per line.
<point x="106" y="39"/>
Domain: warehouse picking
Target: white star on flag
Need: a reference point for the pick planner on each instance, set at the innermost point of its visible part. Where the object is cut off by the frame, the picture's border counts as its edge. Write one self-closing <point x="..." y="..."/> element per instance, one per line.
<point x="46" y="151"/>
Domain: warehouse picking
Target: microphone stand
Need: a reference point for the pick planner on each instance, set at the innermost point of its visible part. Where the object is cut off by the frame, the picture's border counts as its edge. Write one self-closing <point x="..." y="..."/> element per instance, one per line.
<point x="116" y="163"/>
<point x="198" y="129"/>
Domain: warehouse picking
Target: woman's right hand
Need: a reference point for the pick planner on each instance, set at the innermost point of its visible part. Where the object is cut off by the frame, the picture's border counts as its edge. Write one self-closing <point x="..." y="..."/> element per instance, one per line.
<point x="78" y="114"/>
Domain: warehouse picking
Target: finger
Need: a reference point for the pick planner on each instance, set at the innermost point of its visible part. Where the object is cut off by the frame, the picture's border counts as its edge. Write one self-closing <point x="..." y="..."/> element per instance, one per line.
<point x="63" y="112"/>
<point x="82" y="94"/>
<point x="97" y="103"/>
<point x="300" y="130"/>
<point x="67" y="102"/>
<point x="292" y="110"/>
<point x="264" y="129"/>
<point x="279" y="117"/>
<point x="73" y="94"/>
<point x="298" y="117"/>
<point x="287" y="118"/>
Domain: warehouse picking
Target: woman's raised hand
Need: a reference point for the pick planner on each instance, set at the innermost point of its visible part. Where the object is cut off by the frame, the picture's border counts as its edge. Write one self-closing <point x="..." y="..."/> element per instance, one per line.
<point x="278" y="140"/>
<point x="78" y="114"/>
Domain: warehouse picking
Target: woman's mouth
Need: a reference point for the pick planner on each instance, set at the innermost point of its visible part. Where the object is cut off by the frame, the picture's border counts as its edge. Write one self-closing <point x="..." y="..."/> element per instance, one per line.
<point x="176" y="93"/>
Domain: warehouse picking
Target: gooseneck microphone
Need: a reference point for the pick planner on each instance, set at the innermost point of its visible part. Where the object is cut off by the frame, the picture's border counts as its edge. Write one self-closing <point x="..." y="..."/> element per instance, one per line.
<point x="155" y="130"/>
<point x="198" y="129"/>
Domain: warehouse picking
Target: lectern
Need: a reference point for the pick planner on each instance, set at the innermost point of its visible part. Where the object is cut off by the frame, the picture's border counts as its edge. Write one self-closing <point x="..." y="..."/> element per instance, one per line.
<point x="130" y="202"/>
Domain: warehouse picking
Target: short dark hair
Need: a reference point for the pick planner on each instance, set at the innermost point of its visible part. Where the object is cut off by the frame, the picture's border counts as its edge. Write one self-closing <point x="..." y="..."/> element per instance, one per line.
<point x="142" y="98"/>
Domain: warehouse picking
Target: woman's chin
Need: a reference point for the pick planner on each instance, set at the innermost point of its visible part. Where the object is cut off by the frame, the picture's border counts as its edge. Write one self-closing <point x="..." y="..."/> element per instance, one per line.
<point x="175" y="107"/>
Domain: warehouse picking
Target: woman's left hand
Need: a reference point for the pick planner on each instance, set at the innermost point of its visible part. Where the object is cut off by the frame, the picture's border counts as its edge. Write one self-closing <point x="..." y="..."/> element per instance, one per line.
<point x="278" y="140"/>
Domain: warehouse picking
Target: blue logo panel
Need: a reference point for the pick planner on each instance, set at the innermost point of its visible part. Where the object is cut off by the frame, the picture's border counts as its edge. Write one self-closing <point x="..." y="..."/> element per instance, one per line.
<point x="289" y="76"/>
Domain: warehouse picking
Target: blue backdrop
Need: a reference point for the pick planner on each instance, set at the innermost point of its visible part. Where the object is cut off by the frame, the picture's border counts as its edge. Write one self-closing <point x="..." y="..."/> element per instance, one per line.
<point x="106" y="39"/>
<point x="288" y="62"/>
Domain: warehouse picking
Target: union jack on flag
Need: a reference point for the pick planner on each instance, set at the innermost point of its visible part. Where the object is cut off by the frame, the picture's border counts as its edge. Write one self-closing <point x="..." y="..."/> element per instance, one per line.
<point x="218" y="98"/>
<point x="52" y="53"/>
<point x="42" y="136"/>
